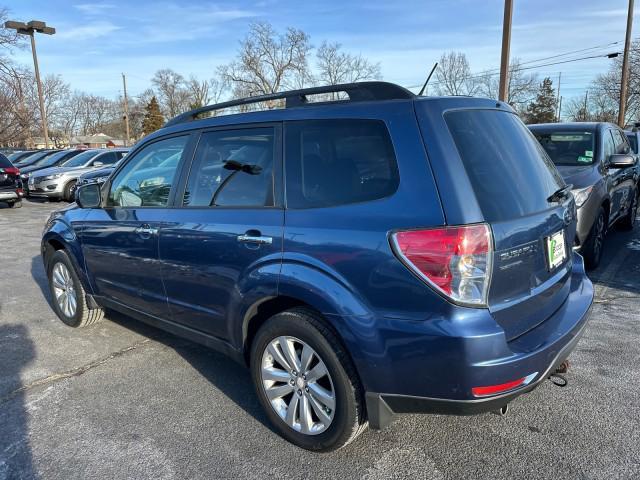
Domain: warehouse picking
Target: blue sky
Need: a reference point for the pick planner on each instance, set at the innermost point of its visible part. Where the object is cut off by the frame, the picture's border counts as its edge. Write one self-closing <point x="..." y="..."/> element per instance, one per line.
<point x="96" y="41"/>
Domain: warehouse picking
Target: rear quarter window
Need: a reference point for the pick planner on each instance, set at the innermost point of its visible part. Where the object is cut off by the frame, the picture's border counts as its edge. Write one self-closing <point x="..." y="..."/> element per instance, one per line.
<point x="338" y="162"/>
<point x="509" y="171"/>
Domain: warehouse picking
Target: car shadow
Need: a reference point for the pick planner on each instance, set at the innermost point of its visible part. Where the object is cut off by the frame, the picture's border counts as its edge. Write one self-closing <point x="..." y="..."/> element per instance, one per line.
<point x="16" y="352"/>
<point x="228" y="376"/>
<point x="40" y="277"/>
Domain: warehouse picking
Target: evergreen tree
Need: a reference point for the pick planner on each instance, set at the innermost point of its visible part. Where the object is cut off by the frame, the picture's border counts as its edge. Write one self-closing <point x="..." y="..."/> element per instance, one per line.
<point x="153" y="119"/>
<point x="543" y="109"/>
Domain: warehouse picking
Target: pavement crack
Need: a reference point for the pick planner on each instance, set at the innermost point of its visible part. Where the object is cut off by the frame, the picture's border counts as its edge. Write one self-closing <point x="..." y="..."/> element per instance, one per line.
<point x="75" y="372"/>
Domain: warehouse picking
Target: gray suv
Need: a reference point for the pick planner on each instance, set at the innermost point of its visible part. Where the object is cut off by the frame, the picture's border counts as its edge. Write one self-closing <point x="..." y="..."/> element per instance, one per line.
<point x="596" y="159"/>
<point x="60" y="182"/>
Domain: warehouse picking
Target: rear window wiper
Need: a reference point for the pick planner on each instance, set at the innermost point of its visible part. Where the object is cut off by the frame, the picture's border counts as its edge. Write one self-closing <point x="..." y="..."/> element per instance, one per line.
<point x="560" y="194"/>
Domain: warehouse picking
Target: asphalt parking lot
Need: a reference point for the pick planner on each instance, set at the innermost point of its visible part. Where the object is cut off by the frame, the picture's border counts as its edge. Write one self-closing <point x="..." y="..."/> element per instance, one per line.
<point x="123" y="400"/>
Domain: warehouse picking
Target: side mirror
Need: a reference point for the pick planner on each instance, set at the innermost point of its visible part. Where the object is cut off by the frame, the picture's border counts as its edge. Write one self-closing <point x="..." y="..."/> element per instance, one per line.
<point x="98" y="163"/>
<point x="621" y="160"/>
<point x="88" y="196"/>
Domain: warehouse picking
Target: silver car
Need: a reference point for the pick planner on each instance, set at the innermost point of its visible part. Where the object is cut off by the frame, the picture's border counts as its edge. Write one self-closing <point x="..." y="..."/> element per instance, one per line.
<point x="60" y="182"/>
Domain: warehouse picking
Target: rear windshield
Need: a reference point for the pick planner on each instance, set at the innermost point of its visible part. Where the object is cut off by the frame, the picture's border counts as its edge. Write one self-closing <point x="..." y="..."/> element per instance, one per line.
<point x="4" y="161"/>
<point x="509" y="172"/>
<point x="568" y="148"/>
<point x="633" y="140"/>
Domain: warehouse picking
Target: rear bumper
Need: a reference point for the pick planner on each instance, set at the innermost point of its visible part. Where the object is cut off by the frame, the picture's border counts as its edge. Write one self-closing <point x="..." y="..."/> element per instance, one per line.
<point x="8" y="196"/>
<point x="537" y="353"/>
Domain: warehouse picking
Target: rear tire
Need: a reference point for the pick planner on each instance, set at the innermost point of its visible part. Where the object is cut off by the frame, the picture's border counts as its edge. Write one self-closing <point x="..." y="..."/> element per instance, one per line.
<point x="69" y="194"/>
<point x="330" y="428"/>
<point x="629" y="220"/>
<point x="67" y="295"/>
<point x="592" y="249"/>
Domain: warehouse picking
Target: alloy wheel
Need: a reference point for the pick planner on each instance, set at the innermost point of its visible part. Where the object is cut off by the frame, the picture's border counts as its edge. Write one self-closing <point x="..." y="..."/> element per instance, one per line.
<point x="64" y="290"/>
<point x="599" y="237"/>
<point x="298" y="385"/>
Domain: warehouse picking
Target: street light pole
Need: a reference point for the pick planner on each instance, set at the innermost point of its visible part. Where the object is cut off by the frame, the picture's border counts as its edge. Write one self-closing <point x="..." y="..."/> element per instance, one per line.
<point x="43" y="114"/>
<point x="30" y="29"/>
<point x="503" y="91"/>
<point x="625" y="67"/>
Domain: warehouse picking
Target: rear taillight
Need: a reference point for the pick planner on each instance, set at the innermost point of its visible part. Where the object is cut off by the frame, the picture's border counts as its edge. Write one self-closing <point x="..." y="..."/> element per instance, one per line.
<point x="456" y="261"/>
<point x="10" y="170"/>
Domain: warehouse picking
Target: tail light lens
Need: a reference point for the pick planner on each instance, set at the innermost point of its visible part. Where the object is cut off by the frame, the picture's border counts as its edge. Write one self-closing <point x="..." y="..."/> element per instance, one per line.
<point x="10" y="170"/>
<point x="456" y="261"/>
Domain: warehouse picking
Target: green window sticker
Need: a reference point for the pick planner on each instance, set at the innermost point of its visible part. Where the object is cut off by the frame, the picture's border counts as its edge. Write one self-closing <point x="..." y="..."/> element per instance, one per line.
<point x="588" y="153"/>
<point x="582" y="159"/>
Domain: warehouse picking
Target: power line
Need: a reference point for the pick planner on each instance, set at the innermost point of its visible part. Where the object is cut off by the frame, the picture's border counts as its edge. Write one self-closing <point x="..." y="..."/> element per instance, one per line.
<point x="490" y="73"/>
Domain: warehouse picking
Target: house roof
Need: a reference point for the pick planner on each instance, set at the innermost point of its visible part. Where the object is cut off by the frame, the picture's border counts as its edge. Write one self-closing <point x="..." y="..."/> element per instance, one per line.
<point x="97" y="138"/>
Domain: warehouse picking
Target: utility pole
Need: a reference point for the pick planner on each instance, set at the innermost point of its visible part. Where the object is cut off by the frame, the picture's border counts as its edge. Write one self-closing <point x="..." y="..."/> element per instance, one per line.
<point x="625" y="67"/>
<point x="586" y="99"/>
<point x="558" y="97"/>
<point x="503" y="92"/>
<point x="560" y="110"/>
<point x="30" y="29"/>
<point x="126" y="109"/>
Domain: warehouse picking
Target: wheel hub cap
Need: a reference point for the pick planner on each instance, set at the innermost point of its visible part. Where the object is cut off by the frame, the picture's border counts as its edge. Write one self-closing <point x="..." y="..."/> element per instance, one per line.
<point x="64" y="292"/>
<point x="298" y="385"/>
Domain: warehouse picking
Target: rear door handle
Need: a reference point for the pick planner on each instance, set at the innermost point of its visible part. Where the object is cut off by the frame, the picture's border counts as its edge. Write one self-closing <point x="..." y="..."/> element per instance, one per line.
<point x="259" y="239"/>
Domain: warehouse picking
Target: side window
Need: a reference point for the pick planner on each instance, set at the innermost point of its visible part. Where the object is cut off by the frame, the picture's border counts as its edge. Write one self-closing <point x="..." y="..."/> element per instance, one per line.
<point x="232" y="168"/>
<point x="338" y="162"/>
<point x="608" y="145"/>
<point x="106" y="159"/>
<point x="146" y="179"/>
<point x="622" y="146"/>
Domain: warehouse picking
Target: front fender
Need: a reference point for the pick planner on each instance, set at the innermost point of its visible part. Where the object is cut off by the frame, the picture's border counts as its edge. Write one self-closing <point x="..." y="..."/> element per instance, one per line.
<point x="60" y="233"/>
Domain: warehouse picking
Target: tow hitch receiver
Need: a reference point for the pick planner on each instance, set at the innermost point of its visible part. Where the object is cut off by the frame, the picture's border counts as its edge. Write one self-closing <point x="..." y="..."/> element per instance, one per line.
<point x="557" y="377"/>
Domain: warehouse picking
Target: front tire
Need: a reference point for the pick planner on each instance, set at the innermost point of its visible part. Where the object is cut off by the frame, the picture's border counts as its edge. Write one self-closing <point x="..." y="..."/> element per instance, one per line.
<point x="592" y="250"/>
<point x="306" y="382"/>
<point x="629" y="220"/>
<point x="67" y="295"/>
<point x="69" y="194"/>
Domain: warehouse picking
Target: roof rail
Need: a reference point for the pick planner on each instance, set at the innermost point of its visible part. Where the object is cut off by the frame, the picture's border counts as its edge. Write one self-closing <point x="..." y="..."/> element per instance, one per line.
<point x="357" y="92"/>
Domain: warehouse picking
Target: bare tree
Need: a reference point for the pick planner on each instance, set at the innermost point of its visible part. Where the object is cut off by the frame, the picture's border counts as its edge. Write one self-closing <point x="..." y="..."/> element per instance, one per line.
<point x="335" y="67"/>
<point x="522" y="86"/>
<point x="453" y="75"/>
<point x="267" y="61"/>
<point x="172" y="92"/>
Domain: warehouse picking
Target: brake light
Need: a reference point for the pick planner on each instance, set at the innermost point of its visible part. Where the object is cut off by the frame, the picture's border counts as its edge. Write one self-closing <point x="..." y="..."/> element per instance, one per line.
<point x="10" y="170"/>
<point x="494" y="389"/>
<point x="456" y="261"/>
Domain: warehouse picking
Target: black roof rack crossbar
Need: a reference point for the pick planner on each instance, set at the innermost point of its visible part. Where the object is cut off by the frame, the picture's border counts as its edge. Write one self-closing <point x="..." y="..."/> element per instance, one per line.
<point x="357" y="92"/>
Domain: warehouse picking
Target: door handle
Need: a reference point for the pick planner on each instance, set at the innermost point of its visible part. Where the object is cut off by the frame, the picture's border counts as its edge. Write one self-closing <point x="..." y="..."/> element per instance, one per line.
<point x="146" y="231"/>
<point x="259" y="239"/>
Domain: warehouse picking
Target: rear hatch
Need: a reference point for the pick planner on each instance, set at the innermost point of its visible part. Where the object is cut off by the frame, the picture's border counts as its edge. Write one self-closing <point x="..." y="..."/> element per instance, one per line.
<point x="513" y="182"/>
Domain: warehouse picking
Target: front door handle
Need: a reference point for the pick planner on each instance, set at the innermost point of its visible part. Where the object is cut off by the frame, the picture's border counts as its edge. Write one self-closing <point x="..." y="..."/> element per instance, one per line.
<point x="259" y="239"/>
<point x="146" y="231"/>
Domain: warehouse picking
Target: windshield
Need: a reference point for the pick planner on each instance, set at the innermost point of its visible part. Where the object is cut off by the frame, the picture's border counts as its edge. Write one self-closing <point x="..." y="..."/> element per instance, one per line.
<point x="52" y="159"/>
<point x="31" y="159"/>
<point x="568" y="148"/>
<point x="80" y="160"/>
<point x="633" y="140"/>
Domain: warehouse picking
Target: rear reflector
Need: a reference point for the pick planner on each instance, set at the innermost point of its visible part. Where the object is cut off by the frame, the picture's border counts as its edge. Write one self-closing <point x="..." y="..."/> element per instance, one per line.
<point x="494" y="389"/>
<point x="456" y="261"/>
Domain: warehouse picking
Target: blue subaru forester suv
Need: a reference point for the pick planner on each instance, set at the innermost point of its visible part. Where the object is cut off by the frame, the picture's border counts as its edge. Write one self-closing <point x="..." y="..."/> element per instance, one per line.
<point x="378" y="254"/>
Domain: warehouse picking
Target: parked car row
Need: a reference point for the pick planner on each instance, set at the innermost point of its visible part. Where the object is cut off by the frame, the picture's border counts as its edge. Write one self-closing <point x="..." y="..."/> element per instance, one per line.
<point x="597" y="161"/>
<point x="54" y="173"/>
<point x="373" y="256"/>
